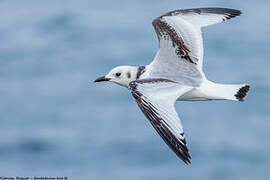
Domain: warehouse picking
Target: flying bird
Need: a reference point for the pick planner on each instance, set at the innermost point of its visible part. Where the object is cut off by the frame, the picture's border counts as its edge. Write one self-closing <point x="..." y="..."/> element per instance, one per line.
<point x="176" y="73"/>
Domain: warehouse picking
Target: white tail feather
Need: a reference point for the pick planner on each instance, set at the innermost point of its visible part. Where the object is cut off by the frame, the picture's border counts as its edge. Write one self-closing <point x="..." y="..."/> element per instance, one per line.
<point x="215" y="91"/>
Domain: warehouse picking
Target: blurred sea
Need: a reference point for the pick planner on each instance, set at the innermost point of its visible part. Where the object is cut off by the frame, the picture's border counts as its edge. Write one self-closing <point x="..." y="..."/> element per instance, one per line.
<point x="56" y="122"/>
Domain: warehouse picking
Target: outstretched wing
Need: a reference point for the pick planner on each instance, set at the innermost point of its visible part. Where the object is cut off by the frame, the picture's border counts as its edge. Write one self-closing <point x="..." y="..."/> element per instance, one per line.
<point x="156" y="98"/>
<point x="180" y="39"/>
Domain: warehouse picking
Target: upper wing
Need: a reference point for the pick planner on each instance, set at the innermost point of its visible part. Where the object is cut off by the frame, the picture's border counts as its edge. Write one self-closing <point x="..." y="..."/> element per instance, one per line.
<point x="156" y="98"/>
<point x="180" y="39"/>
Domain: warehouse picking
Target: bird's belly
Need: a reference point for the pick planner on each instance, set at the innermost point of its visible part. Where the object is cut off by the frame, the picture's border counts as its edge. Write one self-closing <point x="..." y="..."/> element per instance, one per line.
<point x="193" y="95"/>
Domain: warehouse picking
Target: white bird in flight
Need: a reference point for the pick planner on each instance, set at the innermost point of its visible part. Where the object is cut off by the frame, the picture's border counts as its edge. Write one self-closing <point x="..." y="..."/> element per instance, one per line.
<point x="176" y="73"/>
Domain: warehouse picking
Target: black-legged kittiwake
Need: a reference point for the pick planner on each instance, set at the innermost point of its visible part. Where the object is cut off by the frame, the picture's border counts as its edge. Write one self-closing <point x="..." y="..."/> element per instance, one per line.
<point x="176" y="73"/>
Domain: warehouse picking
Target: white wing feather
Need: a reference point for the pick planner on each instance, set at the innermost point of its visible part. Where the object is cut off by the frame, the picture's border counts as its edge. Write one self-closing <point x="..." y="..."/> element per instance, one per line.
<point x="156" y="98"/>
<point x="180" y="54"/>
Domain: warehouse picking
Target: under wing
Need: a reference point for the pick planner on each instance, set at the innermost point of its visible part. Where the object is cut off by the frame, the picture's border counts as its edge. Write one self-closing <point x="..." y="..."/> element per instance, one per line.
<point x="156" y="98"/>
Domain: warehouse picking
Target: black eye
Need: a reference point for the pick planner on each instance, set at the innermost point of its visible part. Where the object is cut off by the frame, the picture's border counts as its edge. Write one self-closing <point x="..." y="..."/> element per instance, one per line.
<point x="118" y="74"/>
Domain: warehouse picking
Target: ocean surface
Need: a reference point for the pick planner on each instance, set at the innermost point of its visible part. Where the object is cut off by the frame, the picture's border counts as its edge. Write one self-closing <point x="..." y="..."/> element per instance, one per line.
<point x="54" y="121"/>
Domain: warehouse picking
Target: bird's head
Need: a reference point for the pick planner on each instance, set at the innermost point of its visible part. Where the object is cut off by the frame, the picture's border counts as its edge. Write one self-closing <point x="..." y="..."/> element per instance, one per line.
<point x="121" y="75"/>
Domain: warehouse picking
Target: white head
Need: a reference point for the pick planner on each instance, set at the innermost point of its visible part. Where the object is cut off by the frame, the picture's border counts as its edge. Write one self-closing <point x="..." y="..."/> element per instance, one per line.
<point x="121" y="75"/>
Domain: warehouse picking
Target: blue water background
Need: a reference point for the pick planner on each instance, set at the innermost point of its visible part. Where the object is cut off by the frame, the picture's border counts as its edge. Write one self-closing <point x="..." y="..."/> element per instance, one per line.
<point x="55" y="121"/>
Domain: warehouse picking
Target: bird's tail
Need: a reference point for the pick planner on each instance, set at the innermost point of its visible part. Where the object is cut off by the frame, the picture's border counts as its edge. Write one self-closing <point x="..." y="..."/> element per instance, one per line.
<point x="235" y="92"/>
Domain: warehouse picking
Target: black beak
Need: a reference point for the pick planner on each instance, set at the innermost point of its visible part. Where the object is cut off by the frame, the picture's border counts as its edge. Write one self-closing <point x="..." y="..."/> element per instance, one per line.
<point x="103" y="78"/>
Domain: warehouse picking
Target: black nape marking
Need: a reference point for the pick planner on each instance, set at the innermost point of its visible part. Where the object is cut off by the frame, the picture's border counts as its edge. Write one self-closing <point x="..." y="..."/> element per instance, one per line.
<point x="128" y="75"/>
<point x="141" y="70"/>
<point x="240" y="95"/>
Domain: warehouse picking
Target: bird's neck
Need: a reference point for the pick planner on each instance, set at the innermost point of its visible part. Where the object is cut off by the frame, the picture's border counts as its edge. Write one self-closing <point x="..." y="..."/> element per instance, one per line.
<point x="140" y="71"/>
<point x="133" y="73"/>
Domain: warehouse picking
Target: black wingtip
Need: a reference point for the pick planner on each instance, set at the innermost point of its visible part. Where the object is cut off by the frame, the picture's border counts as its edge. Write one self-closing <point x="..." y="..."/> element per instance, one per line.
<point x="241" y="94"/>
<point x="230" y="13"/>
<point x="187" y="161"/>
